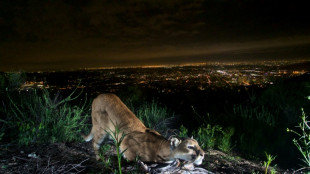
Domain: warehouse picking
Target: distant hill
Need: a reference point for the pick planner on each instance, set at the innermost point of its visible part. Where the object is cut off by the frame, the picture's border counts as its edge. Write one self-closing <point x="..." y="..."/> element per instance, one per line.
<point x="298" y="66"/>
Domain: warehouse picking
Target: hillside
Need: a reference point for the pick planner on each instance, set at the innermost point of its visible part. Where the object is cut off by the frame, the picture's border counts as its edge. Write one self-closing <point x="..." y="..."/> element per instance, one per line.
<point x="79" y="158"/>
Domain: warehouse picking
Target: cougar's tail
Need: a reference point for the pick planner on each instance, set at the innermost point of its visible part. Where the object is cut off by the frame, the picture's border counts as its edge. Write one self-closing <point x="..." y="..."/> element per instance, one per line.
<point x="88" y="137"/>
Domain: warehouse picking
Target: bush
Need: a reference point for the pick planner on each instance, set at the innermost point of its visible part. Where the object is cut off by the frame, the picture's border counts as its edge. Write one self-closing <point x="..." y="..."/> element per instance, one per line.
<point x="207" y="135"/>
<point x="215" y="137"/>
<point x="183" y="133"/>
<point x="224" y="143"/>
<point x="154" y="116"/>
<point x="38" y="118"/>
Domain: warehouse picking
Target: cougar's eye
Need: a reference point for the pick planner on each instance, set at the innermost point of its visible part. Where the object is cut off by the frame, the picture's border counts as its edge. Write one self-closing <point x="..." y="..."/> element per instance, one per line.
<point x="190" y="147"/>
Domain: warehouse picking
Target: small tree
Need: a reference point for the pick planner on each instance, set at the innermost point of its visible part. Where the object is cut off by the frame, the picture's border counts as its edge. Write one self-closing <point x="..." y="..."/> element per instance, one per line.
<point x="303" y="142"/>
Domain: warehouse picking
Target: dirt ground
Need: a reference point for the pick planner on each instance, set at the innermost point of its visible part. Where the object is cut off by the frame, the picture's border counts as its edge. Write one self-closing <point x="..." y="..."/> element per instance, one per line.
<point x="80" y="158"/>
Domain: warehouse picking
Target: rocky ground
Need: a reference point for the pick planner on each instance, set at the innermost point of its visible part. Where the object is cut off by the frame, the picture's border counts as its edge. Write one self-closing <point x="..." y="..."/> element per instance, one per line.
<point x="80" y="158"/>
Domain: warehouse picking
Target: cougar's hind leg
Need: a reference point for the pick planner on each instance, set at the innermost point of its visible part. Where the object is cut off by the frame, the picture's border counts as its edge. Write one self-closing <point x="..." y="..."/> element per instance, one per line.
<point x="100" y="121"/>
<point x="98" y="140"/>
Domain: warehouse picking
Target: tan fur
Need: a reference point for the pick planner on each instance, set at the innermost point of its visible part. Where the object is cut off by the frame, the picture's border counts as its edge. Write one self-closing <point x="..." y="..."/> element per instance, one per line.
<point x="108" y="110"/>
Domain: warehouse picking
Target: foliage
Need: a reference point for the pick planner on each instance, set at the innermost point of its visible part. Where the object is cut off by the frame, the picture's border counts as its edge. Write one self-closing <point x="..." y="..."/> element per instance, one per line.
<point x="154" y="116"/>
<point x="16" y="79"/>
<point x="224" y="143"/>
<point x="267" y="163"/>
<point x="39" y="118"/>
<point x="264" y="114"/>
<point x="117" y="137"/>
<point x="260" y="113"/>
<point x="212" y="136"/>
<point x="215" y="136"/>
<point x="183" y="132"/>
<point x="207" y="135"/>
<point x="303" y="142"/>
<point x="106" y="162"/>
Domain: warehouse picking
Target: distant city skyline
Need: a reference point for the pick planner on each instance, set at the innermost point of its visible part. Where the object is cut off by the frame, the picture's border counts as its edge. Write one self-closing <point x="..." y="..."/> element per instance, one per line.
<point x="58" y="35"/>
<point x="165" y="79"/>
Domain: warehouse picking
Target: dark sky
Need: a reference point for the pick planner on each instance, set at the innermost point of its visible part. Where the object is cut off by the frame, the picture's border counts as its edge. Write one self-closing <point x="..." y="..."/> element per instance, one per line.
<point x="69" y="34"/>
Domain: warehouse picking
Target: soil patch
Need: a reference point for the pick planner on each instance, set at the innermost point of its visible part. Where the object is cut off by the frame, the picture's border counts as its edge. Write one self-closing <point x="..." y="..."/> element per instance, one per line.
<point x="80" y="158"/>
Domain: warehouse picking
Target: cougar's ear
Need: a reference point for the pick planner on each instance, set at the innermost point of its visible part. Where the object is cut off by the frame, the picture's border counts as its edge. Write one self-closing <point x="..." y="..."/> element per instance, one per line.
<point x="192" y="137"/>
<point x="175" y="142"/>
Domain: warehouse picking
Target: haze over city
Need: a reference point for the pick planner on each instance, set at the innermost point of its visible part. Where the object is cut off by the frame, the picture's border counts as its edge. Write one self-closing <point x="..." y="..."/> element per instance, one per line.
<point x="57" y="35"/>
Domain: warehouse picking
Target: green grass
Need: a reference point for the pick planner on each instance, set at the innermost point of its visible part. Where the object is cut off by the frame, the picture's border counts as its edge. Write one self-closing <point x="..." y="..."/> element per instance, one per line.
<point x="207" y="135"/>
<point x="37" y="117"/>
<point x="224" y="141"/>
<point x="106" y="161"/>
<point x="267" y="163"/>
<point x="213" y="136"/>
<point x="183" y="133"/>
<point x="154" y="116"/>
<point x="260" y="113"/>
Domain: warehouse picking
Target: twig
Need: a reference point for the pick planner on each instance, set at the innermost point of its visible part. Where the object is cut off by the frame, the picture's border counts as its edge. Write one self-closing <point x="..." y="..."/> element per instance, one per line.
<point x="22" y="158"/>
<point x="48" y="164"/>
<point x="74" y="166"/>
<point x="301" y="169"/>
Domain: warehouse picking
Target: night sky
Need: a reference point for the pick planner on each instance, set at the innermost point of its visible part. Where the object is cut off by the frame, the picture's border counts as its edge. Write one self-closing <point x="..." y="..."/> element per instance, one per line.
<point x="70" y="34"/>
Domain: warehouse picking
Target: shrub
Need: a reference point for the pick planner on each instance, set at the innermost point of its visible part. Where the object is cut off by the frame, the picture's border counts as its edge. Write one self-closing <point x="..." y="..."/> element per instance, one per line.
<point x="183" y="132"/>
<point x="39" y="119"/>
<point x="224" y="143"/>
<point x="154" y="116"/>
<point x="215" y="137"/>
<point x="207" y="135"/>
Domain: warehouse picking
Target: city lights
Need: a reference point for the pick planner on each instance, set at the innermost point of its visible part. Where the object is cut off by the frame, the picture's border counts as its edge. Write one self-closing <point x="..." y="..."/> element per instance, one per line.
<point x="167" y="79"/>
